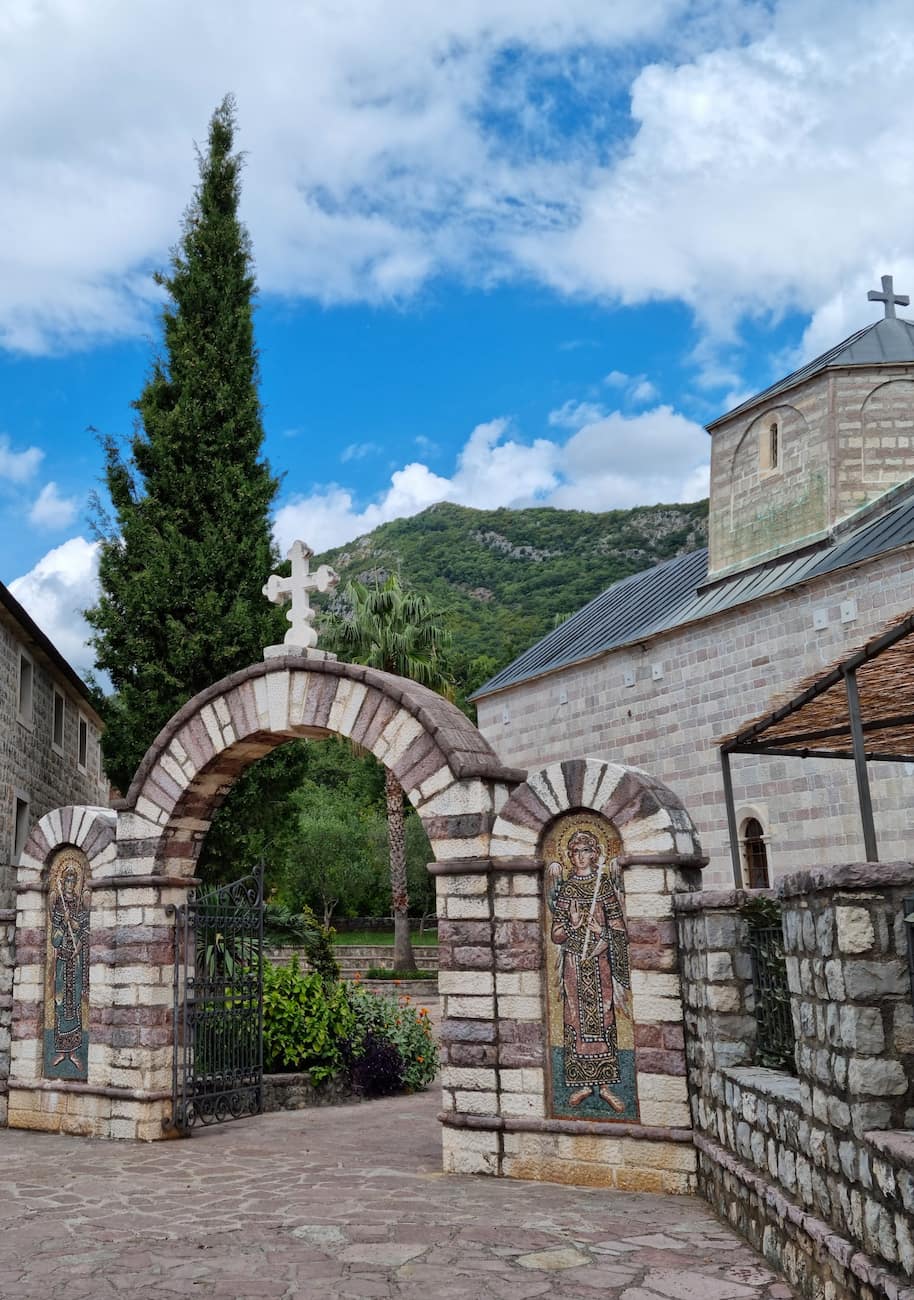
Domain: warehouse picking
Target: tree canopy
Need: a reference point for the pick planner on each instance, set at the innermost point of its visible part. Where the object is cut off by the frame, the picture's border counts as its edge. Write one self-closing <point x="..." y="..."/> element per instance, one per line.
<point x="188" y="548"/>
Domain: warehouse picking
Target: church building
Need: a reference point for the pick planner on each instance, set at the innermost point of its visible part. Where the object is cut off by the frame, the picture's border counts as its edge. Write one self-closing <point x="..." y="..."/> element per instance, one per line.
<point x="810" y="557"/>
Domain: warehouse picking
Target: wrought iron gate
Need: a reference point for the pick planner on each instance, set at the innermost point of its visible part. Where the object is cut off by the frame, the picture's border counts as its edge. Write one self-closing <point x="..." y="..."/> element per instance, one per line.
<point x="218" y="1004"/>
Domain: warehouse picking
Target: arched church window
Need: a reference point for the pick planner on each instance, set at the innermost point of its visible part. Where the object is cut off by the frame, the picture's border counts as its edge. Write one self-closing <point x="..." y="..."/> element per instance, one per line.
<point x="755" y="854"/>
<point x="770" y="445"/>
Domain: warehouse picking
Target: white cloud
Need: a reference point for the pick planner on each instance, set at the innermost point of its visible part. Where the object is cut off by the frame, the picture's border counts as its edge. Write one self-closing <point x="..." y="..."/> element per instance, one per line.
<point x="616" y="379"/>
<point x="51" y="510"/>
<point x="55" y="592"/>
<point x="611" y="461"/>
<point x="491" y="471"/>
<point x="572" y="415"/>
<point x="622" y="461"/>
<point x="423" y="139"/>
<point x="374" y="157"/>
<point x="18" y="466"/>
<point x="643" y="391"/>
<point x="359" y="450"/>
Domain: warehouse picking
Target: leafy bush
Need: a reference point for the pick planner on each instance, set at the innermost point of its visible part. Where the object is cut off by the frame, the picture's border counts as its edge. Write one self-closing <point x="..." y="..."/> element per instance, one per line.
<point x="405" y="1026"/>
<point x="376" y="1070"/>
<point x="282" y="925"/>
<point x="307" y="1022"/>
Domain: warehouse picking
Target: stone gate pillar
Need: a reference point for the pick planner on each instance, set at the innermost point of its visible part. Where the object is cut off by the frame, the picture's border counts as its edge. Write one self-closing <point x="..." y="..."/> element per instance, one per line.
<point x="92" y="1002"/>
<point x="527" y="1092"/>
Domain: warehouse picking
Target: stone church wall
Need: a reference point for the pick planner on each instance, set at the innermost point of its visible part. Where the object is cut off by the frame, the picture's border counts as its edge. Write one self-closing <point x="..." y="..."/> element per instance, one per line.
<point x="844" y="438"/>
<point x="714" y="676"/>
<point x="816" y="1168"/>
<point x="30" y="768"/>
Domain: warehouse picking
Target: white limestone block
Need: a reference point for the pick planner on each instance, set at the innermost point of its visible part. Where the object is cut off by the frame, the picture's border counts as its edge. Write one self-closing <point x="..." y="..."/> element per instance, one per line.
<point x="523" y="1103"/>
<point x="476" y="1103"/>
<point x="644" y="880"/>
<point x="466" y="981"/>
<point x="470" y="1008"/>
<point x="468" y="1077"/>
<point x="467" y="909"/>
<point x="670" y="1114"/>
<point x="655" y="906"/>
<point x="662" y="1087"/>
<point x="528" y="982"/>
<point x="278" y="699"/>
<point x="549" y="786"/>
<point x="652" y="1010"/>
<point x="469" y="886"/>
<point x="458" y="800"/>
<point x="517" y="909"/>
<point x="346" y="704"/>
<point x="656" y="983"/>
<point x="515" y="1007"/>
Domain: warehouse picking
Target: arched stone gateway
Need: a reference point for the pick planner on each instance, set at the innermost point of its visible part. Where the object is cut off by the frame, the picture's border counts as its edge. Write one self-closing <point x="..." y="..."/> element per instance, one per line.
<point x="562" y="1032"/>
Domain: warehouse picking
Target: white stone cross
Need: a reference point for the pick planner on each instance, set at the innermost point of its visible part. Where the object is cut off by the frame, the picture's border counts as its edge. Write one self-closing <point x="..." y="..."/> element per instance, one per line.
<point x="295" y="589"/>
<point x="889" y="297"/>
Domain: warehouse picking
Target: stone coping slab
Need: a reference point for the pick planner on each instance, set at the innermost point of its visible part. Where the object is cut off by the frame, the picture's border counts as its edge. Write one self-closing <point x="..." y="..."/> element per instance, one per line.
<point x="771" y="1083"/>
<point x="706" y="900"/>
<point x="896" y="1144"/>
<point x="850" y="875"/>
<point x="568" y="1127"/>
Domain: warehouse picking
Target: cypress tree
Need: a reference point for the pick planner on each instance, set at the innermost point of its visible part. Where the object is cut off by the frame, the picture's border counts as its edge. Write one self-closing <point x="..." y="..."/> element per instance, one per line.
<point x="189" y="547"/>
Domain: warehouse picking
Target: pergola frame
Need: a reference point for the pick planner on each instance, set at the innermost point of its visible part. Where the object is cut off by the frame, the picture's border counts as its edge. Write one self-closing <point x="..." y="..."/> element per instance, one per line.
<point x="866" y="697"/>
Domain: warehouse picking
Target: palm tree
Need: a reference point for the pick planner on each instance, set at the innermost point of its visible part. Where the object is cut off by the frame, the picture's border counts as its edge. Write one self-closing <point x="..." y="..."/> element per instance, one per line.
<point x="388" y="627"/>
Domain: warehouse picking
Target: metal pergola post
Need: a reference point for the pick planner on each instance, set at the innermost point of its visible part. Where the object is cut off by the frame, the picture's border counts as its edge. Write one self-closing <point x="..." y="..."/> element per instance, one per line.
<point x="731" y="819"/>
<point x="863" y="780"/>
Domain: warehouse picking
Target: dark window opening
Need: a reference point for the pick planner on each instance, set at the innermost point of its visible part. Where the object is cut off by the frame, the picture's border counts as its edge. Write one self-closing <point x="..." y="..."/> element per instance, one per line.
<point x="756" y="854"/>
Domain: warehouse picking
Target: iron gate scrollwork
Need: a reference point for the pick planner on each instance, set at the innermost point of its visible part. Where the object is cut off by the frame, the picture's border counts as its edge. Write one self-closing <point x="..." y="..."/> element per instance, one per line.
<point x="218" y="1004"/>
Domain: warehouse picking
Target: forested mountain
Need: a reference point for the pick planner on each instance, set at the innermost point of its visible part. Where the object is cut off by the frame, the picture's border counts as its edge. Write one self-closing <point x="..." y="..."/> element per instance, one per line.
<point x="314" y="811"/>
<point x="505" y="577"/>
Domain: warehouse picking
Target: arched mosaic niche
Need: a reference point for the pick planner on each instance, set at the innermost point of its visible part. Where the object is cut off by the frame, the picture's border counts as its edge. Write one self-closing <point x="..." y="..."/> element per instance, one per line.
<point x="590" y="1065"/>
<point x="65" y="1022"/>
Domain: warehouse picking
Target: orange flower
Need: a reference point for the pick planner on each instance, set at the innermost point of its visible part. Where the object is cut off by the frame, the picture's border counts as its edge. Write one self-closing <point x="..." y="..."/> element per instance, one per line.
<point x="420" y="1059"/>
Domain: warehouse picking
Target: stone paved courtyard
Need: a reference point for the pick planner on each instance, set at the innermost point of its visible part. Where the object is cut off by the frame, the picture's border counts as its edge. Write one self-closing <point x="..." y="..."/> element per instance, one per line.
<point x="341" y="1202"/>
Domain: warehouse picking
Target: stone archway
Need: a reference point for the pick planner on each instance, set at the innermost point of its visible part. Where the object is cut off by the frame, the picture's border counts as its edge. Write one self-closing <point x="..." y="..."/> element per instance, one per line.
<point x="486" y="824"/>
<point x="140" y="861"/>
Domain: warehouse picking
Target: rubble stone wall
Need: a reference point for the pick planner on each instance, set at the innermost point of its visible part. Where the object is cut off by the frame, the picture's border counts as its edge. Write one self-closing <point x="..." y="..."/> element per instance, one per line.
<point x="815" y="1167"/>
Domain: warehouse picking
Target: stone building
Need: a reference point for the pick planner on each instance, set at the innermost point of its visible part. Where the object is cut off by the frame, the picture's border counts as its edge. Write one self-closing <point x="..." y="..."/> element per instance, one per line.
<point x="49" y="735"/>
<point x="810" y="555"/>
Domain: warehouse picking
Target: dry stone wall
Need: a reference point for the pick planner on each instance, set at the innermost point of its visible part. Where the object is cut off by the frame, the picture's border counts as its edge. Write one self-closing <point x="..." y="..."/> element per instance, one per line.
<point x="816" y="1168"/>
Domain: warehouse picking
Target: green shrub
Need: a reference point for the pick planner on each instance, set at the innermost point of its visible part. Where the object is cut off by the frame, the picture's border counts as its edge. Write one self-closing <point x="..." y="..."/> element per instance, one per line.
<point x="307" y="1022"/>
<point x="282" y="925"/>
<point x="404" y="1025"/>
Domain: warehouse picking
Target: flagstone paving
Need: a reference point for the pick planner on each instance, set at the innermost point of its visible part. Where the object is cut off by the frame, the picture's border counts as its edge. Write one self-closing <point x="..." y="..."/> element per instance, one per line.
<point x="340" y="1202"/>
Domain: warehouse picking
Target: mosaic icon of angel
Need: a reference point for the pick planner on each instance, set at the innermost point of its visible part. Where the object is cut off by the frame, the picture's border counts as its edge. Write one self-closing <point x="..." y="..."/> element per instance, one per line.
<point x="588" y="929"/>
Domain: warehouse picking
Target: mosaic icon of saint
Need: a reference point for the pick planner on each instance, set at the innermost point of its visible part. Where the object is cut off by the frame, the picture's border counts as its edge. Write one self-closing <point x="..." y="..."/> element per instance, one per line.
<point x="588" y="926"/>
<point x="69" y="926"/>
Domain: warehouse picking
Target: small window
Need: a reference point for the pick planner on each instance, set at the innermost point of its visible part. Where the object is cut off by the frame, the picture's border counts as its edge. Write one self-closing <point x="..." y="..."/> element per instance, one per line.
<point x="769" y="451"/>
<point x="20" y="827"/>
<point x="26" y="688"/>
<point x="57" y="723"/>
<point x="82" y="748"/>
<point x="755" y="854"/>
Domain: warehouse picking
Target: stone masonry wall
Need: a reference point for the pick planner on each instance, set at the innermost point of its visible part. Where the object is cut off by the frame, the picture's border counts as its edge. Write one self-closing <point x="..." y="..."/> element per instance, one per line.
<point x="715" y="676"/>
<point x="816" y="1168"/>
<point x="30" y="768"/>
<point x="845" y="437"/>
<point x="7" y="962"/>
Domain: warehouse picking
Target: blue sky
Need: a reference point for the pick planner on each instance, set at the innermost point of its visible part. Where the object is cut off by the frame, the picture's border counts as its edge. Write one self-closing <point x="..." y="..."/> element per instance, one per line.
<point x="515" y="254"/>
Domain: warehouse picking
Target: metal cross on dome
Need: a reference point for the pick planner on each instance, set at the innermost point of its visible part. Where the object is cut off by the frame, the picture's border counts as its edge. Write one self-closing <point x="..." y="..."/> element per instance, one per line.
<point x="295" y="589"/>
<point x="889" y="297"/>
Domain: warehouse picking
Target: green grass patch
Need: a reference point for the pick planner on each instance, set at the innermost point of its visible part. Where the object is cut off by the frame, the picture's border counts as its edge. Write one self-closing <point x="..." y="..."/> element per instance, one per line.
<point x="363" y="938"/>
<point x="379" y="973"/>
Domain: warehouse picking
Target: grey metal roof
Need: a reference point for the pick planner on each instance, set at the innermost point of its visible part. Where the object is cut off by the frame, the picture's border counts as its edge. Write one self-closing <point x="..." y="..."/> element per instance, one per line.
<point x="672" y="594"/>
<point x="885" y="342"/>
